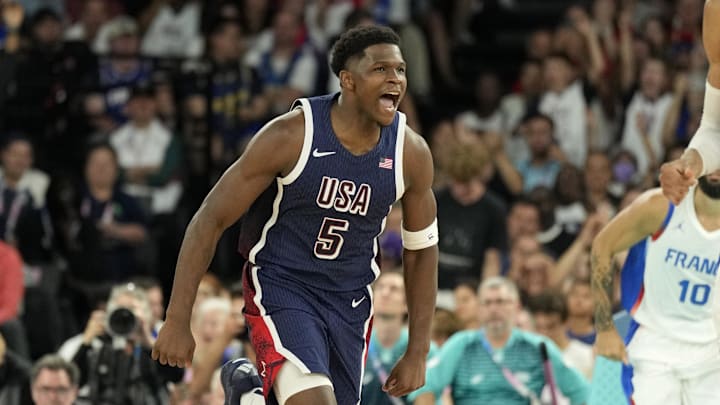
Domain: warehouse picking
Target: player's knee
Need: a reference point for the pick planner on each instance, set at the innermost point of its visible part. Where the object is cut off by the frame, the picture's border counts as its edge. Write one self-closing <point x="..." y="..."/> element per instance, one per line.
<point x="322" y="395"/>
<point x="293" y="387"/>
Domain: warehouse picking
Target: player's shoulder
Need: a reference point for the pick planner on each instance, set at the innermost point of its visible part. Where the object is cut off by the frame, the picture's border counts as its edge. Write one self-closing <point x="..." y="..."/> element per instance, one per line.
<point x="285" y="127"/>
<point x="651" y="201"/>
<point x="416" y="150"/>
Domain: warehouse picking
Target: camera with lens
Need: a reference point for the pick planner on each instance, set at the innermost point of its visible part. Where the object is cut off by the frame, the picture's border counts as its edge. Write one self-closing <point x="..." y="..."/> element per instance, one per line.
<point x="121" y="322"/>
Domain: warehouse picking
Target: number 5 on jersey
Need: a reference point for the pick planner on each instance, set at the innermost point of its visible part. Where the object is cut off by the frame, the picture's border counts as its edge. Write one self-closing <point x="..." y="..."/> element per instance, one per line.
<point x="330" y="239"/>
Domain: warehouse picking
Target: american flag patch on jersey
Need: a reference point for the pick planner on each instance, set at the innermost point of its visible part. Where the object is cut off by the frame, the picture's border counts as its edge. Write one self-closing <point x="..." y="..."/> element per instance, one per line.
<point x="385" y="163"/>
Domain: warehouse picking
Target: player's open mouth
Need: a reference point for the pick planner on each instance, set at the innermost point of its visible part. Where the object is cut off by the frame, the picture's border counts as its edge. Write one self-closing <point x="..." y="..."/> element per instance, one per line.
<point x="389" y="100"/>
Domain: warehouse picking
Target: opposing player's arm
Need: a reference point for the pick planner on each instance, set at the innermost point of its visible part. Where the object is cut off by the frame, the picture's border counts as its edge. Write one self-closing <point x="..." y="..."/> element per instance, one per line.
<point x="420" y="258"/>
<point x="272" y="152"/>
<point x="639" y="220"/>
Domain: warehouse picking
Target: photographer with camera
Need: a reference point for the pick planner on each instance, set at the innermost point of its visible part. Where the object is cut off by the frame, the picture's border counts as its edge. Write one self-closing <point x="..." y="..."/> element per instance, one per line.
<point x="113" y="354"/>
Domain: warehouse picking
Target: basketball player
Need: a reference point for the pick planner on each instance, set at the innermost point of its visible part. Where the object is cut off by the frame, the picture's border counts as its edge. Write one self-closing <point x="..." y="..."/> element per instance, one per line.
<point x="667" y="284"/>
<point x="703" y="154"/>
<point x="318" y="182"/>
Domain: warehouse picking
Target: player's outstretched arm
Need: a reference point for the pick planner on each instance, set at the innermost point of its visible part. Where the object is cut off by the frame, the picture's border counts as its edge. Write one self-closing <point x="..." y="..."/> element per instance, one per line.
<point x="420" y="259"/>
<point x="639" y="220"/>
<point x="703" y="153"/>
<point x="271" y="153"/>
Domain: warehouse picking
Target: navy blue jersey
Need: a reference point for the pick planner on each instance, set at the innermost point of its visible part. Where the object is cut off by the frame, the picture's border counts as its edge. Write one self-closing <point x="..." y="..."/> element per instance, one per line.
<point x="328" y="212"/>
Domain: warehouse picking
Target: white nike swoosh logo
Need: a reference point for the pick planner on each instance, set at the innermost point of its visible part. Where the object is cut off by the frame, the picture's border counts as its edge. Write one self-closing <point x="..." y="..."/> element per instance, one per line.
<point x="317" y="153"/>
<point x="356" y="303"/>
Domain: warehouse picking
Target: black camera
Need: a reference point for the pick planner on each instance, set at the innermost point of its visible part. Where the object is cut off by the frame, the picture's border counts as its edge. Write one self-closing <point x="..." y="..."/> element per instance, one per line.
<point x="121" y="322"/>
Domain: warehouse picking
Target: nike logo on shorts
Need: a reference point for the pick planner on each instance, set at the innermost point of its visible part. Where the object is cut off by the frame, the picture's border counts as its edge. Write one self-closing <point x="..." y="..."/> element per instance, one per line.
<point x="355" y="303"/>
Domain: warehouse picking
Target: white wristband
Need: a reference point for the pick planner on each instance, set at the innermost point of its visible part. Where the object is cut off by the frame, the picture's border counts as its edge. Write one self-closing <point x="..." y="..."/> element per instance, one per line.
<point x="421" y="239"/>
<point x="706" y="140"/>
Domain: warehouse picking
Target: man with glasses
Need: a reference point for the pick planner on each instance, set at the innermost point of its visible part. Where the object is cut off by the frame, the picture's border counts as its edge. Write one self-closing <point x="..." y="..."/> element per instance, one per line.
<point x="498" y="364"/>
<point x="54" y="381"/>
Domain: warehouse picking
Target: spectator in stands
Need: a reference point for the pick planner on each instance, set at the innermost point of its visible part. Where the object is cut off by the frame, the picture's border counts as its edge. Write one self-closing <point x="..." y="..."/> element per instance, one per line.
<point x="102" y="231"/>
<point x="598" y="177"/>
<point x="238" y="106"/>
<point x="155" y="297"/>
<point x="445" y="324"/>
<point x="537" y="273"/>
<point x="550" y="313"/>
<point x="132" y="377"/>
<point x="287" y="66"/>
<point x="149" y="154"/>
<point x="389" y="336"/>
<point x="44" y="83"/>
<point x="119" y="71"/>
<point x="486" y="115"/>
<point x="18" y="159"/>
<point x="477" y="360"/>
<point x="581" y="309"/>
<point x="564" y="102"/>
<point x="471" y="219"/>
<point x="23" y="221"/>
<point x="570" y="212"/>
<point x="645" y="117"/>
<point x="11" y="297"/>
<point x="523" y="220"/>
<point x="467" y="305"/>
<point x="54" y="381"/>
<point x="14" y="376"/>
<point x="173" y="29"/>
<point x="543" y="164"/>
<point x="554" y="238"/>
<point x="94" y="15"/>
<point x="520" y="103"/>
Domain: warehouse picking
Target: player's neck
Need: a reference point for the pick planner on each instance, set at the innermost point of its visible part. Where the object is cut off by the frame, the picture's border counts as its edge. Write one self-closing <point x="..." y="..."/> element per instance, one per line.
<point x="580" y="325"/>
<point x="387" y="332"/>
<point x="706" y="207"/>
<point x="353" y="126"/>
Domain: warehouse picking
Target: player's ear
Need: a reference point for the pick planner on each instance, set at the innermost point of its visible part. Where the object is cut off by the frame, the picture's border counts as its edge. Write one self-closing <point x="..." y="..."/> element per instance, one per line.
<point x="346" y="80"/>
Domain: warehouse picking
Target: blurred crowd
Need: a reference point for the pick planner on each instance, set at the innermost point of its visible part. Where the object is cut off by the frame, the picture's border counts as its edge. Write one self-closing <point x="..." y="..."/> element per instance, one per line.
<point x="116" y="117"/>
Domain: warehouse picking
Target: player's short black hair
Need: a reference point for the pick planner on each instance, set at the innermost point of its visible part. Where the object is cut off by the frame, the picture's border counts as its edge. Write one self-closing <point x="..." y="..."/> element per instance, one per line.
<point x="353" y="42"/>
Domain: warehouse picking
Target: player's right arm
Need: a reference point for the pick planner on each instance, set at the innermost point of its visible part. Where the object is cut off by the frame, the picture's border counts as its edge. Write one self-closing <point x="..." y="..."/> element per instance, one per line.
<point x="273" y="152"/>
<point x="703" y="154"/>
<point x="639" y="220"/>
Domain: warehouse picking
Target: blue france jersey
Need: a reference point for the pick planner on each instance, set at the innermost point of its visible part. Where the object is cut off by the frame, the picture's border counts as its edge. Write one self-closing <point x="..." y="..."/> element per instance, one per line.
<point x="327" y="213"/>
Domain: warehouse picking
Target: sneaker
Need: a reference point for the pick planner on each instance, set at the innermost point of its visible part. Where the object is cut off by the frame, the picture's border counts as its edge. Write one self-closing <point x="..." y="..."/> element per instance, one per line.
<point x="238" y="377"/>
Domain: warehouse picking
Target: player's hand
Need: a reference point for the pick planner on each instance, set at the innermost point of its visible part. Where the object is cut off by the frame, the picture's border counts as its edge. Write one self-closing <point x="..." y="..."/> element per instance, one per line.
<point x="609" y="344"/>
<point x="175" y="344"/>
<point x="676" y="177"/>
<point x="407" y="375"/>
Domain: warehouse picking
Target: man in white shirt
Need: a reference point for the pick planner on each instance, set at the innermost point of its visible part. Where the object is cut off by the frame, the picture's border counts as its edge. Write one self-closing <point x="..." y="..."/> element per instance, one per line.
<point x="564" y="102"/>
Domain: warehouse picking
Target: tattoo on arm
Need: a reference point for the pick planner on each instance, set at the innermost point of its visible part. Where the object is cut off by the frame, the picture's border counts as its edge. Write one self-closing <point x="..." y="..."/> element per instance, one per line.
<point x="602" y="287"/>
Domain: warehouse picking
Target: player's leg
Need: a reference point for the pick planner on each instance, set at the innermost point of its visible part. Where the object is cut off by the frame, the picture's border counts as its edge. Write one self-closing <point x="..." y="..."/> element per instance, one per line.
<point x="293" y="387"/>
<point x="655" y="383"/>
<point x="290" y="339"/>
<point x="349" y="340"/>
<point x="701" y="382"/>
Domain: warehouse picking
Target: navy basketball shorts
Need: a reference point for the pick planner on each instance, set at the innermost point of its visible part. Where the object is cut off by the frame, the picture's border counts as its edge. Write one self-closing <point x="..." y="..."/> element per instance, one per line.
<point x="322" y="332"/>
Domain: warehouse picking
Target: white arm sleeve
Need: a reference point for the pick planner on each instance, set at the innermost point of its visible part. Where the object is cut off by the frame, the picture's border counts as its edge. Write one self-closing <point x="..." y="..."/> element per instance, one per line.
<point x="420" y="239"/>
<point x="706" y="140"/>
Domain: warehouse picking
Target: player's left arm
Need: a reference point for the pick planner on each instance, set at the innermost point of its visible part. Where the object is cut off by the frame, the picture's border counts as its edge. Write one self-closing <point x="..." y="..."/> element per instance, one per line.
<point x="420" y="258"/>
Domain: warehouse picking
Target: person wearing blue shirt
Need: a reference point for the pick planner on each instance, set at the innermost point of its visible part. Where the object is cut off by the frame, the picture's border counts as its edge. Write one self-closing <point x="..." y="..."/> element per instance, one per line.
<point x="498" y="364"/>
